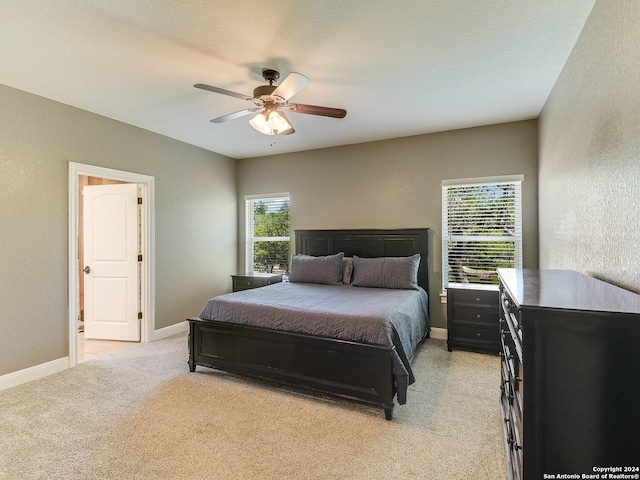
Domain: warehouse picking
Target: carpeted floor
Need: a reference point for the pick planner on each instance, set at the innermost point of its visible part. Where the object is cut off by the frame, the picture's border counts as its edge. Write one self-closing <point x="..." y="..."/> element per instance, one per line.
<point x="139" y="413"/>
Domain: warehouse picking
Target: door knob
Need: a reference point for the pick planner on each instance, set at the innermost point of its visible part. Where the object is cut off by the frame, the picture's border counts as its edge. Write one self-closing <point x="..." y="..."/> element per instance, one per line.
<point x="87" y="269"/>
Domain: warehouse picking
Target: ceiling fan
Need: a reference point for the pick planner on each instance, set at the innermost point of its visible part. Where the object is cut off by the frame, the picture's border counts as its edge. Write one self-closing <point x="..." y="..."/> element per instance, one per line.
<point x="269" y="101"/>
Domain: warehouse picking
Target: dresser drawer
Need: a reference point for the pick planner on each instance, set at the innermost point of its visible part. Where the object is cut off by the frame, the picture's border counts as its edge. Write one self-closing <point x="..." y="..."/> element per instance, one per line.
<point x="510" y="314"/>
<point x="514" y="454"/>
<point x="512" y="373"/>
<point x="515" y="444"/>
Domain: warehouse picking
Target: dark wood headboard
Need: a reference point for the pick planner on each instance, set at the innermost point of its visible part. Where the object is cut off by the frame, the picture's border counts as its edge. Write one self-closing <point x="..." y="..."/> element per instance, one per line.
<point x="368" y="244"/>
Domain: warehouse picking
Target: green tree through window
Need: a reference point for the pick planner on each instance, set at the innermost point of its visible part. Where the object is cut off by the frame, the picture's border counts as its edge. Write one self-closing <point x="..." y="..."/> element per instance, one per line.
<point x="271" y="255"/>
<point x="267" y="234"/>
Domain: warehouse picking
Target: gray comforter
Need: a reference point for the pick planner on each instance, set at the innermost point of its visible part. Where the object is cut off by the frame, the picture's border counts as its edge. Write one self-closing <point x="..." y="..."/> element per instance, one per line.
<point x="367" y="315"/>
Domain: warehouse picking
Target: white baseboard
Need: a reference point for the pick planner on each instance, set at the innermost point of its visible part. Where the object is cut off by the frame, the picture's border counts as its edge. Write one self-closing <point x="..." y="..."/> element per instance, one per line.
<point x="439" y="333"/>
<point x="36" y="372"/>
<point x="171" y="330"/>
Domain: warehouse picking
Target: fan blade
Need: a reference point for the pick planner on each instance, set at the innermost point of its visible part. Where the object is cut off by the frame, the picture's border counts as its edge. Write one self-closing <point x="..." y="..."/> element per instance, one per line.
<point x="316" y="110"/>
<point x="291" y="85"/>
<point x="288" y="131"/>
<point x="232" y="116"/>
<point x="222" y="91"/>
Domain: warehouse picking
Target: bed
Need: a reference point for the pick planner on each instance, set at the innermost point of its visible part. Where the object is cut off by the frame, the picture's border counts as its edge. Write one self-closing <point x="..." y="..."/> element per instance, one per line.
<point x="285" y="342"/>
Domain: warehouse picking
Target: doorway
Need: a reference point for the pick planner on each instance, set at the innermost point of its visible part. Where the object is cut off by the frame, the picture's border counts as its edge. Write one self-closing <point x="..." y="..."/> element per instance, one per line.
<point x="79" y="175"/>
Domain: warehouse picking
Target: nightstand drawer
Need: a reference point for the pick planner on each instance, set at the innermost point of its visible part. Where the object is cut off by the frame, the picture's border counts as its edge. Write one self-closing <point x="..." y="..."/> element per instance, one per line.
<point x="246" y="282"/>
<point x="249" y="282"/>
<point x="480" y="336"/>
<point x="481" y="316"/>
<point x="484" y="298"/>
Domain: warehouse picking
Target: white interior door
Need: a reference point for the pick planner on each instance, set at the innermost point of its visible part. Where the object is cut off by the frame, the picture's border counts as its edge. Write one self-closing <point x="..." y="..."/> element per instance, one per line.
<point x="110" y="229"/>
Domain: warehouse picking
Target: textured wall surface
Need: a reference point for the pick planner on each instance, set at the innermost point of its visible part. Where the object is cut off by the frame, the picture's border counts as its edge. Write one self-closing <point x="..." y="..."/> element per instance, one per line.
<point x="397" y="184"/>
<point x="195" y="219"/>
<point x="589" y="177"/>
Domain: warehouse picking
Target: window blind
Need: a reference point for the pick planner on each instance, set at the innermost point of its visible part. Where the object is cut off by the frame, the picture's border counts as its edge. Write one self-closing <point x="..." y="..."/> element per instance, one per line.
<point x="267" y="233"/>
<point x="482" y="229"/>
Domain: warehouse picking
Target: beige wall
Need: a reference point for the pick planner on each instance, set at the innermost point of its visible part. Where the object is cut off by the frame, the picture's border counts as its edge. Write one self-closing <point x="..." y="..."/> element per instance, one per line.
<point x="196" y="223"/>
<point x="590" y="152"/>
<point x="396" y="183"/>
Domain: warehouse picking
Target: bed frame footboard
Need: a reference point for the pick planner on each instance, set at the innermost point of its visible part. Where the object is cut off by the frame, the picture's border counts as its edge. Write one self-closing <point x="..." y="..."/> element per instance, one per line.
<point x="350" y="370"/>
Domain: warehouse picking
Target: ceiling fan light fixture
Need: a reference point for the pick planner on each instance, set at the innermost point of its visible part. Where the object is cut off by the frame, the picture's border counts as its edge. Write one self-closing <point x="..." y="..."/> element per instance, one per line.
<point x="259" y="122"/>
<point x="271" y="123"/>
<point x="277" y="122"/>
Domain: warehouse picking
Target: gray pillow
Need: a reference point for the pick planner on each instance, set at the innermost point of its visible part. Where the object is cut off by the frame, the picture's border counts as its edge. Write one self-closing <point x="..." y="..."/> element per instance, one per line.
<point x="326" y="270"/>
<point x="386" y="272"/>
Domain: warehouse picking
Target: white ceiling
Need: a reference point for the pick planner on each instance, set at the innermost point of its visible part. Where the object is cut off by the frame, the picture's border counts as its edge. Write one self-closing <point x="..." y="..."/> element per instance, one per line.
<point x="399" y="68"/>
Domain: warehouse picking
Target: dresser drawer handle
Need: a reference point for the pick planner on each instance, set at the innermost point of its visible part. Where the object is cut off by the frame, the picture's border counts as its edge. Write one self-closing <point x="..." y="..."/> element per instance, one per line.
<point x="511" y="441"/>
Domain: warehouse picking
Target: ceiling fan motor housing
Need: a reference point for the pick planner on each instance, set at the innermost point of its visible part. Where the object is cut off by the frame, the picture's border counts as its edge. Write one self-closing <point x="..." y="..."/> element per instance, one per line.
<point x="263" y="91"/>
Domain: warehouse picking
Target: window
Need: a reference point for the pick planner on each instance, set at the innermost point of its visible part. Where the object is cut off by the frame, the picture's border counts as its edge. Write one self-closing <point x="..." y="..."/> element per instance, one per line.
<point x="267" y="233"/>
<point x="481" y="228"/>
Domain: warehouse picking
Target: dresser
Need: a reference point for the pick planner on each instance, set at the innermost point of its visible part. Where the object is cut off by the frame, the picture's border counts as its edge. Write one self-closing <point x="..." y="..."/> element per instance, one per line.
<point x="254" y="280"/>
<point x="472" y="318"/>
<point x="570" y="363"/>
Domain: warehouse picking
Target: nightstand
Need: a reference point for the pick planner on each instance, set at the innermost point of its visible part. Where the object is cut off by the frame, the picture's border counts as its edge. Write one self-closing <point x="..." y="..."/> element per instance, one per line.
<point x="473" y="318"/>
<point x="254" y="280"/>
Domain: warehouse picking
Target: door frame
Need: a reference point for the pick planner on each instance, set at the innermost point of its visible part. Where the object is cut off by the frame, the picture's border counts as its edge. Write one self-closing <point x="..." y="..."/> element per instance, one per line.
<point x="148" y="247"/>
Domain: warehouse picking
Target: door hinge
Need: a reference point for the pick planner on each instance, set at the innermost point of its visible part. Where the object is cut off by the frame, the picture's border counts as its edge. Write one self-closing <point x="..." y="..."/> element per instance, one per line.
<point x="139" y="200"/>
<point x="139" y="258"/>
<point x="139" y="315"/>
